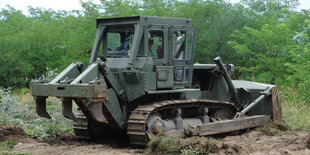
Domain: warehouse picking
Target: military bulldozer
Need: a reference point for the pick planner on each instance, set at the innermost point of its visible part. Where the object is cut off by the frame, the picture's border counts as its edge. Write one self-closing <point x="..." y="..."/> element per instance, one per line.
<point x="142" y="79"/>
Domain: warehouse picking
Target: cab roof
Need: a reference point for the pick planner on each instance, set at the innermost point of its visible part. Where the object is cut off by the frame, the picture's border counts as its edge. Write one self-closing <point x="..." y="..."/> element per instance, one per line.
<point x="146" y="20"/>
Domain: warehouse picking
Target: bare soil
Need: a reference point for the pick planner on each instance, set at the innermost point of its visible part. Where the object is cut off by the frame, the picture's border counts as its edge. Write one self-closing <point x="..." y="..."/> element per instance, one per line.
<point x="70" y="145"/>
<point x="259" y="143"/>
<point x="254" y="142"/>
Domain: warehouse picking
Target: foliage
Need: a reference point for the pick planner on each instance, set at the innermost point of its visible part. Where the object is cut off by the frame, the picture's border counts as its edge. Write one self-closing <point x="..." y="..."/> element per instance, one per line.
<point x="10" y="107"/>
<point x="267" y="40"/>
<point x="23" y="114"/>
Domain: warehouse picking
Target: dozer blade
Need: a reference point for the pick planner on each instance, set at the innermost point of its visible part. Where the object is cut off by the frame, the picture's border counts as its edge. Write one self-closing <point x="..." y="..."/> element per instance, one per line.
<point x="41" y="107"/>
<point x="226" y="126"/>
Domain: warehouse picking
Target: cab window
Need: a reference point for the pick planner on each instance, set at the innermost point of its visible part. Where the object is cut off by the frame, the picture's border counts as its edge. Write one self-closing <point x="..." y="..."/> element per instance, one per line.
<point x="119" y="42"/>
<point x="182" y="45"/>
<point x="156" y="44"/>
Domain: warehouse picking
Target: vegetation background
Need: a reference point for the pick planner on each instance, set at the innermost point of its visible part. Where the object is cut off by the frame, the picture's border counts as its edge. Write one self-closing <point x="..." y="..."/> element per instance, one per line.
<point x="267" y="40"/>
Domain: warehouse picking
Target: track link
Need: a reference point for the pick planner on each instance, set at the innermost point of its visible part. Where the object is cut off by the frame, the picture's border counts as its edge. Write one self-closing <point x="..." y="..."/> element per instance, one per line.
<point x="136" y="125"/>
<point x="80" y="127"/>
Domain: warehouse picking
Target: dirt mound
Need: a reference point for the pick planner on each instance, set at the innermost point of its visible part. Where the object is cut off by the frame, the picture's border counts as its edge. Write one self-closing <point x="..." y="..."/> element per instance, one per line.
<point x="257" y="142"/>
<point x="8" y="130"/>
<point x="193" y="145"/>
<point x="274" y="128"/>
<point x="254" y="142"/>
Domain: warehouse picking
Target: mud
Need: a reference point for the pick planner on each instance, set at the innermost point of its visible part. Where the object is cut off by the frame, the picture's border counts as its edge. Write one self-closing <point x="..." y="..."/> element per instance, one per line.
<point x="254" y="142"/>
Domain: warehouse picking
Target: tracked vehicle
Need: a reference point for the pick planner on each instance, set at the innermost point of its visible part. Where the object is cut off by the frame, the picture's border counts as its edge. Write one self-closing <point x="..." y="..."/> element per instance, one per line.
<point x="141" y="79"/>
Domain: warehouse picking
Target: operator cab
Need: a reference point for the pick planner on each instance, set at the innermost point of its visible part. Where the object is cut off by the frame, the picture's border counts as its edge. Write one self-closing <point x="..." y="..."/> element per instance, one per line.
<point x="160" y="45"/>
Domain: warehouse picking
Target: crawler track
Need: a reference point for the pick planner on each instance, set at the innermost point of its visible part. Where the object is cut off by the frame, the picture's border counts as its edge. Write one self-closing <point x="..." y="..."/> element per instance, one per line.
<point x="81" y="127"/>
<point x="137" y="127"/>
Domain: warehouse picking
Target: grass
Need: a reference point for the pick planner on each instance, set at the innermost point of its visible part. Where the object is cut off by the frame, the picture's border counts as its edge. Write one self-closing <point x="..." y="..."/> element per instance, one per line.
<point x="169" y="145"/>
<point x="12" y="153"/>
<point x="19" y="108"/>
<point x="295" y="110"/>
<point x="189" y="146"/>
<point x="274" y="128"/>
<point x="18" y="117"/>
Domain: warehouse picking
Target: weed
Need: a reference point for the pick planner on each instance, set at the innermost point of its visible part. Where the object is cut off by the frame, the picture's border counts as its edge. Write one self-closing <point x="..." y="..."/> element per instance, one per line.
<point x="11" y="143"/>
<point x="199" y="145"/>
<point x="165" y="145"/>
<point x="274" y="128"/>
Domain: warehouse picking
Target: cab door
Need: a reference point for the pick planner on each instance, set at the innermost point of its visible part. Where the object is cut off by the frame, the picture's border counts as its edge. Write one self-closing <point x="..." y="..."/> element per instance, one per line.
<point x="182" y="49"/>
<point x="156" y="41"/>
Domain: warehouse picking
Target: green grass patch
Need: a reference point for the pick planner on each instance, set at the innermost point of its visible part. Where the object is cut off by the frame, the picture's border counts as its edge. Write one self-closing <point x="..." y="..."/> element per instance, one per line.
<point x="295" y="109"/>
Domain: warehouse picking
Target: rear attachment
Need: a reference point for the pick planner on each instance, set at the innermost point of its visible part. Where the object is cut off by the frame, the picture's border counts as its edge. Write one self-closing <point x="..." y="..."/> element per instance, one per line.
<point x="88" y="89"/>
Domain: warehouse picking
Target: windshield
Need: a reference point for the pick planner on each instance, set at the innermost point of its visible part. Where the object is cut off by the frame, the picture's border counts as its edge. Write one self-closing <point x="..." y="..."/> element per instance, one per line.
<point x="113" y="41"/>
<point x="119" y="42"/>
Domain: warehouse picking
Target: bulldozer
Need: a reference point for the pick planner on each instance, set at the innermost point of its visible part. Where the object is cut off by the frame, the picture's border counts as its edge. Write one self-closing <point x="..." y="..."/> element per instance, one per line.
<point x="142" y="79"/>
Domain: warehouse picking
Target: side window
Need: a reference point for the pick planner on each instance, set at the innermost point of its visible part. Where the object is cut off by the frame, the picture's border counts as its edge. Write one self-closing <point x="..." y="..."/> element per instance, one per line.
<point x="156" y="44"/>
<point x="182" y="45"/>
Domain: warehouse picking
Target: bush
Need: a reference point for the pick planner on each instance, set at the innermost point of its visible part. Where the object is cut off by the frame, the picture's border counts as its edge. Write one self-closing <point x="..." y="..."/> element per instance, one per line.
<point x="11" y="107"/>
<point x="24" y="115"/>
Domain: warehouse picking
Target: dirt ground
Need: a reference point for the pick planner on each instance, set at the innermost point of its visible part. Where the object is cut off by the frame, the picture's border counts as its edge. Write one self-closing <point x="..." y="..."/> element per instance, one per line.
<point x="258" y="143"/>
<point x="73" y="146"/>
<point x="254" y="142"/>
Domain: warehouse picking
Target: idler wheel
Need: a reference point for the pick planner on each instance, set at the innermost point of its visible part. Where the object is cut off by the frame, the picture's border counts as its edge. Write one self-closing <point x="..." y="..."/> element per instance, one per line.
<point x="157" y="127"/>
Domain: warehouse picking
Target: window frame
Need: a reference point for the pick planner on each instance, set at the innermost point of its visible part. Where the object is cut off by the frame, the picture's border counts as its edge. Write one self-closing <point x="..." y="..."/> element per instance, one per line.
<point x="192" y="46"/>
